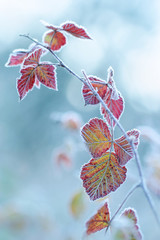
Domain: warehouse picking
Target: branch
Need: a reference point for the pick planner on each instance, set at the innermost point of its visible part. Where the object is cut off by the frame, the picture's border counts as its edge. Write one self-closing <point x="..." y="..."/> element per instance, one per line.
<point x="143" y="185"/>
<point x="62" y="64"/>
<point x="121" y="205"/>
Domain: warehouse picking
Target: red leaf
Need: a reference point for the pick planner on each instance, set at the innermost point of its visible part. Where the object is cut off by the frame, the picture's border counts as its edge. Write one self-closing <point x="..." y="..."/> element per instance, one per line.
<point x="130" y="213"/>
<point x="115" y="106"/>
<point x="97" y="137"/>
<point x="16" y="58"/>
<point x="99" y="85"/>
<point x="26" y="82"/>
<point x="55" y="40"/>
<point x="75" y="30"/>
<point x="113" y="100"/>
<point x="132" y="228"/>
<point x="33" y="58"/>
<point x="71" y="121"/>
<point x="33" y="72"/>
<point x="99" y="221"/>
<point x="102" y="175"/>
<point x="123" y="149"/>
<point x="62" y="157"/>
<point x="46" y="75"/>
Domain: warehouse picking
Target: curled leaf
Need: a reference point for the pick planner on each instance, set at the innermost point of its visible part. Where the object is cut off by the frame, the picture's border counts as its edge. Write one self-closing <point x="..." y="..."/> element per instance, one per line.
<point x="102" y="175"/>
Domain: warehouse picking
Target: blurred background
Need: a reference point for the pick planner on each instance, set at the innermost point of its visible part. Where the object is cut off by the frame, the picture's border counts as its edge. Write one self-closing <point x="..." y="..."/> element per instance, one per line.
<point x="41" y="194"/>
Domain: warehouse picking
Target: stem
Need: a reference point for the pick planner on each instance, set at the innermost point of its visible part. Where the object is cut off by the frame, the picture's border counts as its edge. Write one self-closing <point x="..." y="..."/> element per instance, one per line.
<point x="62" y="64"/>
<point x="151" y="203"/>
<point x="125" y="199"/>
<point x="138" y="163"/>
<point x="143" y="184"/>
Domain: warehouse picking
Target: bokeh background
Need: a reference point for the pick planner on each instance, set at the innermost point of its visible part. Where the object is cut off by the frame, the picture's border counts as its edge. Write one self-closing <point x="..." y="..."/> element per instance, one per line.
<point x="35" y="193"/>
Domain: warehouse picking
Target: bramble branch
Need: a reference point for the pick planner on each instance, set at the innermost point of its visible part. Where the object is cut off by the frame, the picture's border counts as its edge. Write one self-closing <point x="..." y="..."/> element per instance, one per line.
<point x="137" y="159"/>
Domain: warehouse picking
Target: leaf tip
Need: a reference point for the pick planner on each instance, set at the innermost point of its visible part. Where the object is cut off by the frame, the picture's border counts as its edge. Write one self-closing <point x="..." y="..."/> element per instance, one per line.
<point x="110" y="71"/>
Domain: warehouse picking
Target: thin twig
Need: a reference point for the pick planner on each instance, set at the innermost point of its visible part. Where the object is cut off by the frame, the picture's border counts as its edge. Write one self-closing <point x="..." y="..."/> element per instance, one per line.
<point x="125" y="199"/>
<point x="62" y="64"/>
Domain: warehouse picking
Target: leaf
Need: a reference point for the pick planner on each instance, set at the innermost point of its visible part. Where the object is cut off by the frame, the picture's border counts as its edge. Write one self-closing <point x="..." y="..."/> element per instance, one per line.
<point x="26" y="81"/>
<point x="126" y="227"/>
<point x="133" y="232"/>
<point x="77" y="205"/>
<point x="112" y="99"/>
<point x="97" y="137"/>
<point x="71" y="121"/>
<point x="130" y="214"/>
<point x="115" y="106"/>
<point x="102" y="175"/>
<point x="99" y="221"/>
<point x="62" y="157"/>
<point x="16" y="58"/>
<point x="33" y="71"/>
<point x="46" y="75"/>
<point x="75" y="30"/>
<point x="33" y="58"/>
<point x="54" y="39"/>
<point x="123" y="149"/>
<point x="99" y="85"/>
<point x="112" y="85"/>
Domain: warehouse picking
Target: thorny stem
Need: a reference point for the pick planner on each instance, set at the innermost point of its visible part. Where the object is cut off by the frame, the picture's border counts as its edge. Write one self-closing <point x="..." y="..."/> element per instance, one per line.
<point x="121" y="205"/>
<point x="143" y="184"/>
